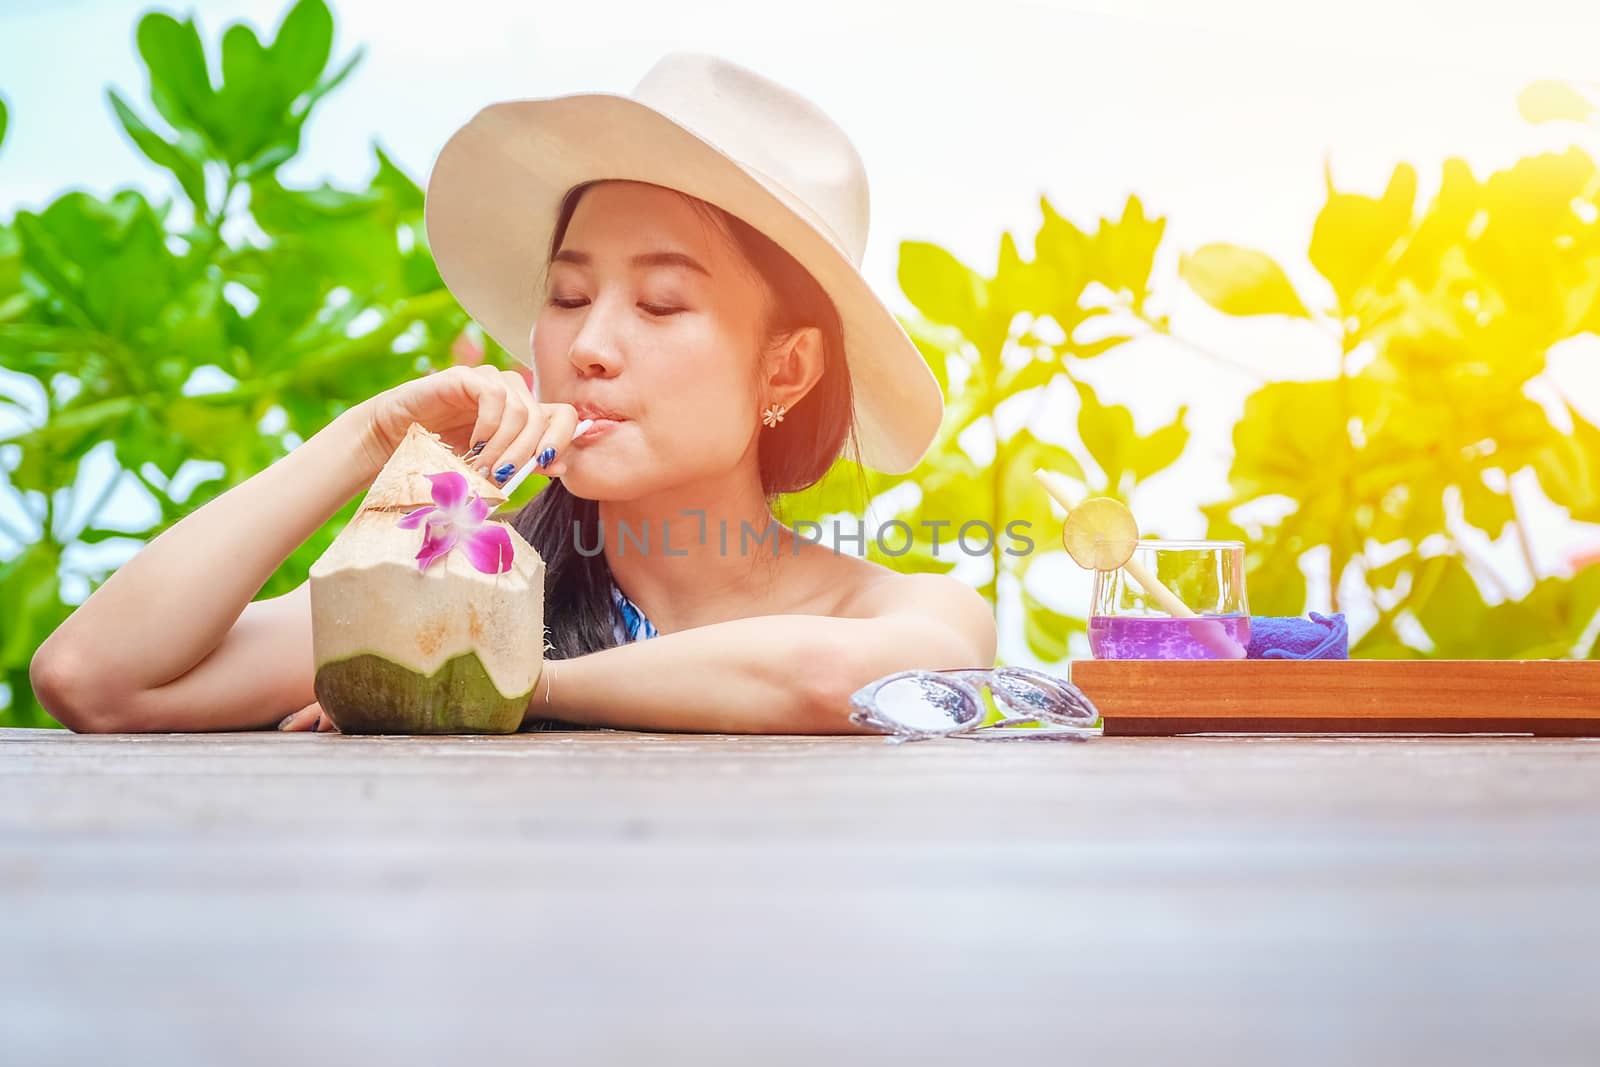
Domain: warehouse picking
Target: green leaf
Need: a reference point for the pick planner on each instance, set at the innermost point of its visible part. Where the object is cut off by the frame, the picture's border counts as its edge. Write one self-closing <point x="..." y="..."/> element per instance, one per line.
<point x="12" y="300"/>
<point x="252" y="104"/>
<point x="1355" y="235"/>
<point x="1021" y="495"/>
<point x="1034" y="374"/>
<point x="30" y="592"/>
<point x="1125" y="250"/>
<point x="1546" y="624"/>
<point x="1108" y="433"/>
<point x="403" y="190"/>
<point x="1273" y="579"/>
<point x="941" y="287"/>
<point x="1240" y="281"/>
<point x="1099" y="346"/>
<point x="1046" y="630"/>
<point x="1568" y="467"/>
<point x="846" y="487"/>
<point x="1388" y="575"/>
<point x="107" y="260"/>
<point x="1487" y="509"/>
<point x="96" y="535"/>
<point x="189" y="171"/>
<point x="1553" y="101"/>
<point x="271" y="157"/>
<point x="1453" y="610"/>
<point x="1064" y="265"/>
<point x="1380" y="643"/>
<point x="1162" y="448"/>
<point x="1017" y="283"/>
<point x="179" y="83"/>
<point x="334" y="80"/>
<point x="352" y="236"/>
<point x="303" y="44"/>
<point x="3" y="119"/>
<point x="1290" y="434"/>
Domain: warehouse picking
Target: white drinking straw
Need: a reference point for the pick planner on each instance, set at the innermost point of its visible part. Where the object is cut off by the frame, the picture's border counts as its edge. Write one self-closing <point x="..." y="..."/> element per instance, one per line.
<point x="517" y="478"/>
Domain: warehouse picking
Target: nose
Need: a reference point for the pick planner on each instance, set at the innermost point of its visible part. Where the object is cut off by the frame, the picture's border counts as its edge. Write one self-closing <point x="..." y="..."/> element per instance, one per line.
<point x="594" y="349"/>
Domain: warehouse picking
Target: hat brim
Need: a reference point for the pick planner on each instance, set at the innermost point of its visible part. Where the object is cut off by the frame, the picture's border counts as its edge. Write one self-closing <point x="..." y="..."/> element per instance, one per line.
<point x="497" y="185"/>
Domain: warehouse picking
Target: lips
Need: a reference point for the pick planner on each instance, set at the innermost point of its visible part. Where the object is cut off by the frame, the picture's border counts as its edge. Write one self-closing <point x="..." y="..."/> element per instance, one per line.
<point x="595" y="422"/>
<point x="596" y="412"/>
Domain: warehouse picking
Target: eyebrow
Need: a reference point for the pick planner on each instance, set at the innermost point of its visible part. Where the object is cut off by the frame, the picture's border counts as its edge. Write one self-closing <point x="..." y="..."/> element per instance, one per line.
<point x="643" y="259"/>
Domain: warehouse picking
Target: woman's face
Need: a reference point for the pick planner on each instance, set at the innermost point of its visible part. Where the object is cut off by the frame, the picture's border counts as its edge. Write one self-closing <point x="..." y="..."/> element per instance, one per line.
<point x="651" y="313"/>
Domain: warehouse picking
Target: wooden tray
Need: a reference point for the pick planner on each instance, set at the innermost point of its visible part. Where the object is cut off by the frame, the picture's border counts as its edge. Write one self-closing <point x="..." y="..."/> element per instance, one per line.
<point x="1157" y="697"/>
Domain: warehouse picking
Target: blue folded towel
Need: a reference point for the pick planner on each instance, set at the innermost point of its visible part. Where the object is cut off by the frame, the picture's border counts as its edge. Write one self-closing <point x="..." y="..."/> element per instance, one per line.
<point x="1294" y="637"/>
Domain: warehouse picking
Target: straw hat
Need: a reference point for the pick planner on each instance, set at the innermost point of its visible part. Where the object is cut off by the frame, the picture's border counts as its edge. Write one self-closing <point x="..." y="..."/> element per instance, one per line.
<point x="715" y="130"/>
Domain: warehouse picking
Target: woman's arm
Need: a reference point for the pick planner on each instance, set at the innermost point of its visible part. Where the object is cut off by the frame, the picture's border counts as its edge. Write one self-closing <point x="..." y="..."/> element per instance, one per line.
<point x="171" y="641"/>
<point x="779" y="674"/>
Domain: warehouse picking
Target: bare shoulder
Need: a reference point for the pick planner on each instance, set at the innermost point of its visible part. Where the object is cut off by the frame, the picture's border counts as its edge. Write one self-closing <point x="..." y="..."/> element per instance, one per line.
<point x="863" y="589"/>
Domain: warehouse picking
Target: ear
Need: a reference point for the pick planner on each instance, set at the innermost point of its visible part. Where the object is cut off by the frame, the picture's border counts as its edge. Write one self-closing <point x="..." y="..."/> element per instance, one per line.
<point x="793" y="367"/>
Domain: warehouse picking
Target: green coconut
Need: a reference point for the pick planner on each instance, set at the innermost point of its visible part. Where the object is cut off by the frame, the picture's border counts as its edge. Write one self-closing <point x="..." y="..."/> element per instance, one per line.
<point x="399" y="650"/>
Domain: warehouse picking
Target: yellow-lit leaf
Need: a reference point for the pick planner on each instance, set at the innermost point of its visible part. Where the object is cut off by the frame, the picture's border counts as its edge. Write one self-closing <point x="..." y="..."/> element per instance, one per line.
<point x="1240" y="281"/>
<point x="1552" y="101"/>
<point x="940" y="286"/>
<point x="1354" y="235"/>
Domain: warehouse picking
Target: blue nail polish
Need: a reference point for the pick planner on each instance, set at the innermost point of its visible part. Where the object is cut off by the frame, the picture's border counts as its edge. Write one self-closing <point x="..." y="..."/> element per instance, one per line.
<point x="504" y="472"/>
<point x="546" y="456"/>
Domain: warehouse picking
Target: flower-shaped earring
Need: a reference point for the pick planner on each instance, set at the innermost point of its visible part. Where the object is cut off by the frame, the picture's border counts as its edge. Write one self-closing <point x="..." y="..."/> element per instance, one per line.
<point x="774" y="414"/>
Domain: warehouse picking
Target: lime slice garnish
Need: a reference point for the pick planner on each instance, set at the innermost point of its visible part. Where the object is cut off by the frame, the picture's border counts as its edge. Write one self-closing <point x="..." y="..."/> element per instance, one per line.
<point x="1100" y="534"/>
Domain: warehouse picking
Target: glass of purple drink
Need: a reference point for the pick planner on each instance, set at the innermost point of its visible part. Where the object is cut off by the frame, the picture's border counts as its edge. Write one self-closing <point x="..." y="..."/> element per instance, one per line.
<point x="1128" y="621"/>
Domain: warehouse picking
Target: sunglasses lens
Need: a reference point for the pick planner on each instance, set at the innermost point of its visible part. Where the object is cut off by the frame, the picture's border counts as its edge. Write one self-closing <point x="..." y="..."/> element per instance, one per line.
<point x="925" y="705"/>
<point x="1021" y="695"/>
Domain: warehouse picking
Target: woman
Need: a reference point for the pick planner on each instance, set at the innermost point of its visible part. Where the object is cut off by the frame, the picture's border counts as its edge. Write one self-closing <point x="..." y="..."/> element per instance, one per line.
<point x="701" y="306"/>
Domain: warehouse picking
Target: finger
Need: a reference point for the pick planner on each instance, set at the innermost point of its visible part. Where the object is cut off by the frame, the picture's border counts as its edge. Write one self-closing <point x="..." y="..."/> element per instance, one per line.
<point x="304" y="719"/>
<point x="563" y="420"/>
<point x="514" y="415"/>
<point x="326" y="726"/>
<point x="516" y="452"/>
<point x="491" y="397"/>
<point x="460" y="423"/>
<point x="520" y="456"/>
<point x="548" y="432"/>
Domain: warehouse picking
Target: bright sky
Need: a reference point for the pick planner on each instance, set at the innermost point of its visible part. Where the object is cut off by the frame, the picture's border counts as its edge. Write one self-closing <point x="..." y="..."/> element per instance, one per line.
<point x="1218" y="114"/>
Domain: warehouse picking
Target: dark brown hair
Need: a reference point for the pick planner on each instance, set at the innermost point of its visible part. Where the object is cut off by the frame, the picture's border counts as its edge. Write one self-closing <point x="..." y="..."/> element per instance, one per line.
<point x="579" y="613"/>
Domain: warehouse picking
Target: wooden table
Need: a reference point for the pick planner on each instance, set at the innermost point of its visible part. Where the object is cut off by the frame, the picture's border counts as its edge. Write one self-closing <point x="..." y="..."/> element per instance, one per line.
<point x="599" y="897"/>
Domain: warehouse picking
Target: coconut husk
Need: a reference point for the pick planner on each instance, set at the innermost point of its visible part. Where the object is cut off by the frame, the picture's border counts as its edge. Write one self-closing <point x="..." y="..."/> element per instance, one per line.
<point x="401" y="650"/>
<point x="403" y="483"/>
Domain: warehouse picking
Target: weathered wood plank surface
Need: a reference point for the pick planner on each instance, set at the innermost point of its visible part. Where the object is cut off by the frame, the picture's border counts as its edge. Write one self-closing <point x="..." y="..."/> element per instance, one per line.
<point x="599" y="897"/>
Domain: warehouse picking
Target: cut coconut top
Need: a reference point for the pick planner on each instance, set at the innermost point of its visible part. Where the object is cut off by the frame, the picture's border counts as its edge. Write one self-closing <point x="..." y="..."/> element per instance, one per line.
<point x="403" y="483"/>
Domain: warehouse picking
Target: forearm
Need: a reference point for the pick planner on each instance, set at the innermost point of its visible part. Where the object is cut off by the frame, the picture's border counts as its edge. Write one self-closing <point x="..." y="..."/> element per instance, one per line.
<point x="780" y="674"/>
<point x="172" y="604"/>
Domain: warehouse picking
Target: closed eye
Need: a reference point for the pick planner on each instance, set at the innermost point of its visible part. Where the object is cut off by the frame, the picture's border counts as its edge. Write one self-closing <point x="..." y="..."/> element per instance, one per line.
<point x="658" y="310"/>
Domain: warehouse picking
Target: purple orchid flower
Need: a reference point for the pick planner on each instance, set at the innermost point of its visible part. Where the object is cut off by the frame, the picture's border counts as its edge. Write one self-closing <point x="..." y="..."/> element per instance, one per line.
<point x="454" y="520"/>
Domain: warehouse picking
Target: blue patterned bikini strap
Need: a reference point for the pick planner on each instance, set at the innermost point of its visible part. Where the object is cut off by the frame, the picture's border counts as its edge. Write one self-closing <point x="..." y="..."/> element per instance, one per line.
<point x="634" y="625"/>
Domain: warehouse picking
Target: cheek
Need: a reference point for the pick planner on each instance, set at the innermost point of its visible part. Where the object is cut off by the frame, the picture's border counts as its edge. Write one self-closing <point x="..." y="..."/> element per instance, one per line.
<point x="547" y="357"/>
<point x="706" y="390"/>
